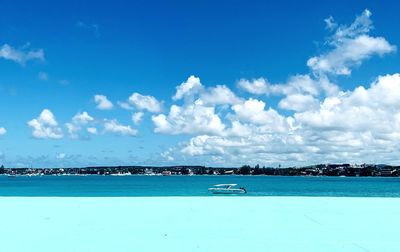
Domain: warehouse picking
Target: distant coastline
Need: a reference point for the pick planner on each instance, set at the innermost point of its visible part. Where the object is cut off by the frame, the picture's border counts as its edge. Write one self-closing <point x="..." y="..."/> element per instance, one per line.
<point x="364" y="170"/>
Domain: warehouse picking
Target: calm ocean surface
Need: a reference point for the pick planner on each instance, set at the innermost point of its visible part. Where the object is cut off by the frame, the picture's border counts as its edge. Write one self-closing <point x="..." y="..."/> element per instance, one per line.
<point x="113" y="186"/>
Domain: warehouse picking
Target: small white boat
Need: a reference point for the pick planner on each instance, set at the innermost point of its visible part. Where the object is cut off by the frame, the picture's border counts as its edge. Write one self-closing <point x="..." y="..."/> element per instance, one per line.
<point x="227" y="189"/>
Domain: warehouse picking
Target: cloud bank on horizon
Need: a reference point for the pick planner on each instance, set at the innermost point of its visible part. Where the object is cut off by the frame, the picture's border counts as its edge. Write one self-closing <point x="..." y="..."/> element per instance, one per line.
<point x="315" y="120"/>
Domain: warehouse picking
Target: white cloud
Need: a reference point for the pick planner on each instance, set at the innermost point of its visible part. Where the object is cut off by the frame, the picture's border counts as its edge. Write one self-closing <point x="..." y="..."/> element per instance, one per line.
<point x="166" y="155"/>
<point x="298" y="102"/>
<point x="212" y="145"/>
<point x="361" y="25"/>
<point x="137" y="117"/>
<point x="253" y="111"/>
<point x="45" y="126"/>
<point x="243" y="148"/>
<point x="218" y="95"/>
<point x="60" y="155"/>
<point x="192" y="90"/>
<point x="239" y="129"/>
<point x="92" y="130"/>
<point x="374" y="108"/>
<point x="362" y="125"/>
<point x="351" y="53"/>
<point x="351" y="45"/>
<point x="125" y="105"/>
<point x="78" y="121"/>
<point x="296" y="84"/>
<point x="82" y="118"/>
<point x="330" y="23"/>
<point x="191" y="119"/>
<point x="322" y="123"/>
<point x="301" y="92"/>
<point x="102" y="102"/>
<point x="21" y="55"/>
<point x="188" y="88"/>
<point x="113" y="126"/>
<point x="145" y="102"/>
<point x="197" y="115"/>
<point x="256" y="86"/>
<point x="73" y="130"/>
<point x="3" y="131"/>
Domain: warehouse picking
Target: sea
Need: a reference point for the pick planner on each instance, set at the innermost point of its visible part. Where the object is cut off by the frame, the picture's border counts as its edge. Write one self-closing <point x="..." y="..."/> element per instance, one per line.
<point x="147" y="186"/>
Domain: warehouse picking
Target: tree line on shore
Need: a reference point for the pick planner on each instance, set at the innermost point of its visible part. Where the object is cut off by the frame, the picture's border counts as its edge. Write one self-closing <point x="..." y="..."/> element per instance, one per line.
<point x="314" y="170"/>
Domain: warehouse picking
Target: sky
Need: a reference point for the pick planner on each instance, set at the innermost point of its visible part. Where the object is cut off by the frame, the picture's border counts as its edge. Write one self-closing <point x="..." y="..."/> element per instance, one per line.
<point x="216" y="83"/>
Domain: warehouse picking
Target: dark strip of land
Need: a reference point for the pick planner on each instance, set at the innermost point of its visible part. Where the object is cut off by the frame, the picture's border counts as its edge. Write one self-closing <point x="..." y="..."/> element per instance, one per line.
<point x="364" y="170"/>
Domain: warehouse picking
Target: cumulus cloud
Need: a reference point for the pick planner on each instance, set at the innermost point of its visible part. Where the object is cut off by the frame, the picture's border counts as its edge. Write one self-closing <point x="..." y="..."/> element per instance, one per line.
<point x="145" y="102"/>
<point x="198" y="114"/>
<point x="374" y="109"/>
<point x="314" y="120"/>
<point x="21" y="55"/>
<point x="247" y="120"/>
<point x="351" y="53"/>
<point x="166" y="155"/>
<point x="298" y="102"/>
<point x="330" y="23"/>
<point x="78" y="121"/>
<point x="351" y="45"/>
<point x="137" y="117"/>
<point x="102" y="102"/>
<point x="267" y="148"/>
<point x="73" y="130"/>
<point x="193" y="91"/>
<point x="361" y="125"/>
<point x="3" y="131"/>
<point x="113" y="126"/>
<point x="45" y="126"/>
<point x="296" y="84"/>
<point x="253" y="111"/>
<point x="325" y="124"/>
<point x="92" y="130"/>
<point x="321" y="123"/>
<point x="82" y="118"/>
<point x="218" y="95"/>
<point x="60" y="155"/>
<point x="125" y="105"/>
<point x="191" y="119"/>
<point x="256" y="86"/>
<point x="188" y="88"/>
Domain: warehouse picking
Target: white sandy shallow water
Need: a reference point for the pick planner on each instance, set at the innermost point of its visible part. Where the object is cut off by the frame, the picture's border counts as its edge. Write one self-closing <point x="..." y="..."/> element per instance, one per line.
<point x="199" y="224"/>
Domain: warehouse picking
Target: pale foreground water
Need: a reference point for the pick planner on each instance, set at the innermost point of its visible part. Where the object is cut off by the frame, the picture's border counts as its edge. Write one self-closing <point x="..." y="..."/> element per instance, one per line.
<point x="199" y="224"/>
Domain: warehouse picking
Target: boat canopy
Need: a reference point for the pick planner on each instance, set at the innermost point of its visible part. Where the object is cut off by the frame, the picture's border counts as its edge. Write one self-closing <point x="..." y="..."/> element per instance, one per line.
<point x="224" y="185"/>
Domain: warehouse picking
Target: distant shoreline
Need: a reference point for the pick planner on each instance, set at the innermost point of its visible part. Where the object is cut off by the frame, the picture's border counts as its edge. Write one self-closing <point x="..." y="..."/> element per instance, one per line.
<point x="346" y="170"/>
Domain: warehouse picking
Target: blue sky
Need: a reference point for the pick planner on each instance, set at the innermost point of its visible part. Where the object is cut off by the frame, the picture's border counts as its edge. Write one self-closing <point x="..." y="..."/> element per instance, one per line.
<point x="255" y="95"/>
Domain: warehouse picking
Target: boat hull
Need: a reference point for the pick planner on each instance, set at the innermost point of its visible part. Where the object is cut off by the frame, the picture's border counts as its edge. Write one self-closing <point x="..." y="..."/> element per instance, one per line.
<point x="226" y="191"/>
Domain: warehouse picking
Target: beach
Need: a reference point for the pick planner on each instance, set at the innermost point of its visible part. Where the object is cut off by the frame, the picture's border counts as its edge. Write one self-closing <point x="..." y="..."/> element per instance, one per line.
<point x="199" y="224"/>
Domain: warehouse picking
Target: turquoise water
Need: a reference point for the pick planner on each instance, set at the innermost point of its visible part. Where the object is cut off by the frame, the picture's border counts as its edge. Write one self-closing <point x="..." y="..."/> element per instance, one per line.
<point x="113" y="186"/>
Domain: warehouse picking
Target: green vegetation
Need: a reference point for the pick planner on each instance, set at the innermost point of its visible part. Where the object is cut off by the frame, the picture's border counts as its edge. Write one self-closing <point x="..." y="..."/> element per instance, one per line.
<point x="369" y="170"/>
